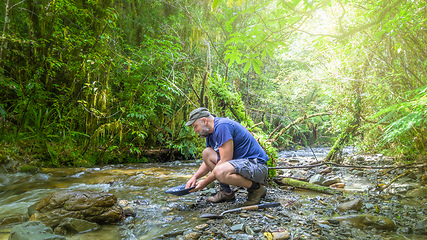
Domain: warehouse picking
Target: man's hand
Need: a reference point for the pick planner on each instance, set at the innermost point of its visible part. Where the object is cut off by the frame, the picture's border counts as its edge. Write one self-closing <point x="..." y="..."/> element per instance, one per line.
<point x="191" y="182"/>
<point x="200" y="185"/>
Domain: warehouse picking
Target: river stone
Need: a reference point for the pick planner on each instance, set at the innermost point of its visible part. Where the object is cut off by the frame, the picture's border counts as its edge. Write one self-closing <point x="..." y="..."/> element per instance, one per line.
<point x="421" y="227"/>
<point x="280" y="235"/>
<point x="74" y="225"/>
<point x="12" y="220"/>
<point x="355" y="204"/>
<point x="33" y="231"/>
<point x="237" y="227"/>
<point x="367" y="220"/>
<point x="97" y="207"/>
<point x="192" y="236"/>
<point x="200" y="227"/>
<point x="317" y="179"/>
<point x="331" y="181"/>
<point x="418" y="192"/>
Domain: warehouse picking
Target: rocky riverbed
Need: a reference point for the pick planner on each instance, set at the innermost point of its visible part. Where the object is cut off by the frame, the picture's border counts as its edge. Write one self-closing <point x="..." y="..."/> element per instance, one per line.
<point x="366" y="207"/>
<point x="362" y="211"/>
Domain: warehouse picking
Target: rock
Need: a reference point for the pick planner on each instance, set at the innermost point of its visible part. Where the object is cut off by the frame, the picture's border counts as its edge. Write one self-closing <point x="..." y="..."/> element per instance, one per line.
<point x="237" y="227"/>
<point x="421" y="227"/>
<point x="33" y="231"/>
<point x="123" y="203"/>
<point x="192" y="236"/>
<point x="29" y="169"/>
<point x="418" y="192"/>
<point x="337" y="185"/>
<point x="73" y="225"/>
<point x="99" y="207"/>
<point x="200" y="227"/>
<point x="360" y="159"/>
<point x="366" y="220"/>
<point x="12" y="220"/>
<point x="32" y="209"/>
<point x="128" y="211"/>
<point x="355" y="204"/>
<point x="317" y="179"/>
<point x="280" y="235"/>
<point x="326" y="170"/>
<point x="331" y="181"/>
<point x="296" y="173"/>
<point x="249" y="231"/>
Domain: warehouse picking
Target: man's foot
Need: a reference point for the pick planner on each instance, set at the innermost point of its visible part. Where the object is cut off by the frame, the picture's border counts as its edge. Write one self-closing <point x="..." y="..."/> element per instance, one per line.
<point x="221" y="196"/>
<point x="254" y="196"/>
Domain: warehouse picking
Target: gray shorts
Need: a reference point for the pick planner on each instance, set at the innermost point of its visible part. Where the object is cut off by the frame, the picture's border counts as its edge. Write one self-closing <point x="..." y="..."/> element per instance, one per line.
<point x="250" y="169"/>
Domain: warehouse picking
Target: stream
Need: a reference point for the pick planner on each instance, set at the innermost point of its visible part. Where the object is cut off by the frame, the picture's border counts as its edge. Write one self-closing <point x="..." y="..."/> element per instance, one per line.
<point x="159" y="214"/>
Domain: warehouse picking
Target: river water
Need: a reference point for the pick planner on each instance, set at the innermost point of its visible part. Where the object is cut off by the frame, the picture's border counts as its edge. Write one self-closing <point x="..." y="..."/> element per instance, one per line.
<point x="141" y="183"/>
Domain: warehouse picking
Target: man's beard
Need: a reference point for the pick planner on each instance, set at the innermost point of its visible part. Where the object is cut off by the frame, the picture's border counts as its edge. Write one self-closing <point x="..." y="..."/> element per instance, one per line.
<point x="204" y="132"/>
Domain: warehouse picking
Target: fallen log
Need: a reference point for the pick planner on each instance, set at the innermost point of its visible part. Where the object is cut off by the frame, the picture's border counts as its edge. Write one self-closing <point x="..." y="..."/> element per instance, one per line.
<point x="305" y="185"/>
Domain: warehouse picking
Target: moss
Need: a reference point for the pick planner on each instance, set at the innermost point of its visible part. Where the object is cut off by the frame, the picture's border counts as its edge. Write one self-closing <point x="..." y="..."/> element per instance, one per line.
<point x="29" y="169"/>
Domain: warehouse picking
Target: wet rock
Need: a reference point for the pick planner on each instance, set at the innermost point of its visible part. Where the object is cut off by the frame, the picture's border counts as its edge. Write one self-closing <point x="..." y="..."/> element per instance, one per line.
<point x="29" y="169"/>
<point x="33" y="231"/>
<point x="12" y="220"/>
<point x="200" y="227"/>
<point x="421" y="227"/>
<point x="331" y="181"/>
<point x="367" y="220"/>
<point x="280" y="235"/>
<point x="192" y="236"/>
<point x="326" y="170"/>
<point x="355" y="204"/>
<point x="360" y="159"/>
<point x="123" y="203"/>
<point x="337" y="185"/>
<point x="418" y="192"/>
<point x="97" y="207"/>
<point x="248" y="230"/>
<point x="237" y="227"/>
<point x="73" y="225"/>
<point x="128" y="211"/>
<point x="317" y="179"/>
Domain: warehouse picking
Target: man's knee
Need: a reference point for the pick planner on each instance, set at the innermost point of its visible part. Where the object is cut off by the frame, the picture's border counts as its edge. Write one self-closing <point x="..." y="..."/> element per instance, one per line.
<point x="209" y="155"/>
<point x="222" y="171"/>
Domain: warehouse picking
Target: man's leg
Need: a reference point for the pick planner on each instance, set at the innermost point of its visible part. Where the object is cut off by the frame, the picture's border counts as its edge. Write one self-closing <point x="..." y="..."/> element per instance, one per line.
<point x="210" y="159"/>
<point x="245" y="173"/>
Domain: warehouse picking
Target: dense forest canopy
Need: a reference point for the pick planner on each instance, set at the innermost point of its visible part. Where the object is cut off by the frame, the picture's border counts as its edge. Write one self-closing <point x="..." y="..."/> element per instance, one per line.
<point x="101" y="81"/>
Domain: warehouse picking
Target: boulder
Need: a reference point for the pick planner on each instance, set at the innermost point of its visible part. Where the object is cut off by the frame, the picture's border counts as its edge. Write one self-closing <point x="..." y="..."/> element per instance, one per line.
<point x="33" y="231"/>
<point x="317" y="179"/>
<point x="355" y="204"/>
<point x="418" y="192"/>
<point x="73" y="225"/>
<point x="331" y="181"/>
<point x="421" y="227"/>
<point x="99" y="207"/>
<point x="366" y="220"/>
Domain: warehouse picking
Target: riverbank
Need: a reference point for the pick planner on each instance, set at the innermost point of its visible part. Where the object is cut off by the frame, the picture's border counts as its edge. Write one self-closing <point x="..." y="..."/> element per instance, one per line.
<point x="303" y="215"/>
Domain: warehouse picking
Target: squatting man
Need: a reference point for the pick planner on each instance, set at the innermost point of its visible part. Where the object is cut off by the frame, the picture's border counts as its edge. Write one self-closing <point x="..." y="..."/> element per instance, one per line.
<point x="232" y="157"/>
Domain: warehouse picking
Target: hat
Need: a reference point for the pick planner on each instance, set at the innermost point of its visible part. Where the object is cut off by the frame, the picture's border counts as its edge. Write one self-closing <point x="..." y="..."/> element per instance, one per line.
<point x="196" y="114"/>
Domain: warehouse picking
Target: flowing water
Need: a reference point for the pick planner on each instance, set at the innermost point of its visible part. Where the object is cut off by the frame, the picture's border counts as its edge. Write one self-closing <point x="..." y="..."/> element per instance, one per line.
<point x="141" y="183"/>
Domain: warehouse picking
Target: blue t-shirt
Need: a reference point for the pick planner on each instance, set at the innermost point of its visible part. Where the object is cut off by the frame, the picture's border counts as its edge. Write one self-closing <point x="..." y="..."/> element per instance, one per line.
<point x="245" y="145"/>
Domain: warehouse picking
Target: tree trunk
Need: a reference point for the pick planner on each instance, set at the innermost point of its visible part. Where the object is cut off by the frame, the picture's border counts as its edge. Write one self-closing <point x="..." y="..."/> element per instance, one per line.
<point x="306" y="185"/>
<point x="5" y="28"/>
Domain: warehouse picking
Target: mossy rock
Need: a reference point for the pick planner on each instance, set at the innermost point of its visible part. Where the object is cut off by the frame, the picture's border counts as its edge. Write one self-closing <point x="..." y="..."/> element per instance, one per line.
<point x="29" y="169"/>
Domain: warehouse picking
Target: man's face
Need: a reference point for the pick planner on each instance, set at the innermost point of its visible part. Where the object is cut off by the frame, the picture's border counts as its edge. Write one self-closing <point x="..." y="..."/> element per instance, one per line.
<point x="201" y="128"/>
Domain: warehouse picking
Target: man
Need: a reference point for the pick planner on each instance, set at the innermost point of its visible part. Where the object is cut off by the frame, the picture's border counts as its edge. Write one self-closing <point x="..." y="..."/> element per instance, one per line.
<point x="232" y="156"/>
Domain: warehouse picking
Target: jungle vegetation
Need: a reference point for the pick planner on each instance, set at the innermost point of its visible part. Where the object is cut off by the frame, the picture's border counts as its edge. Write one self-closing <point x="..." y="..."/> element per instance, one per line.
<point x="86" y="82"/>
